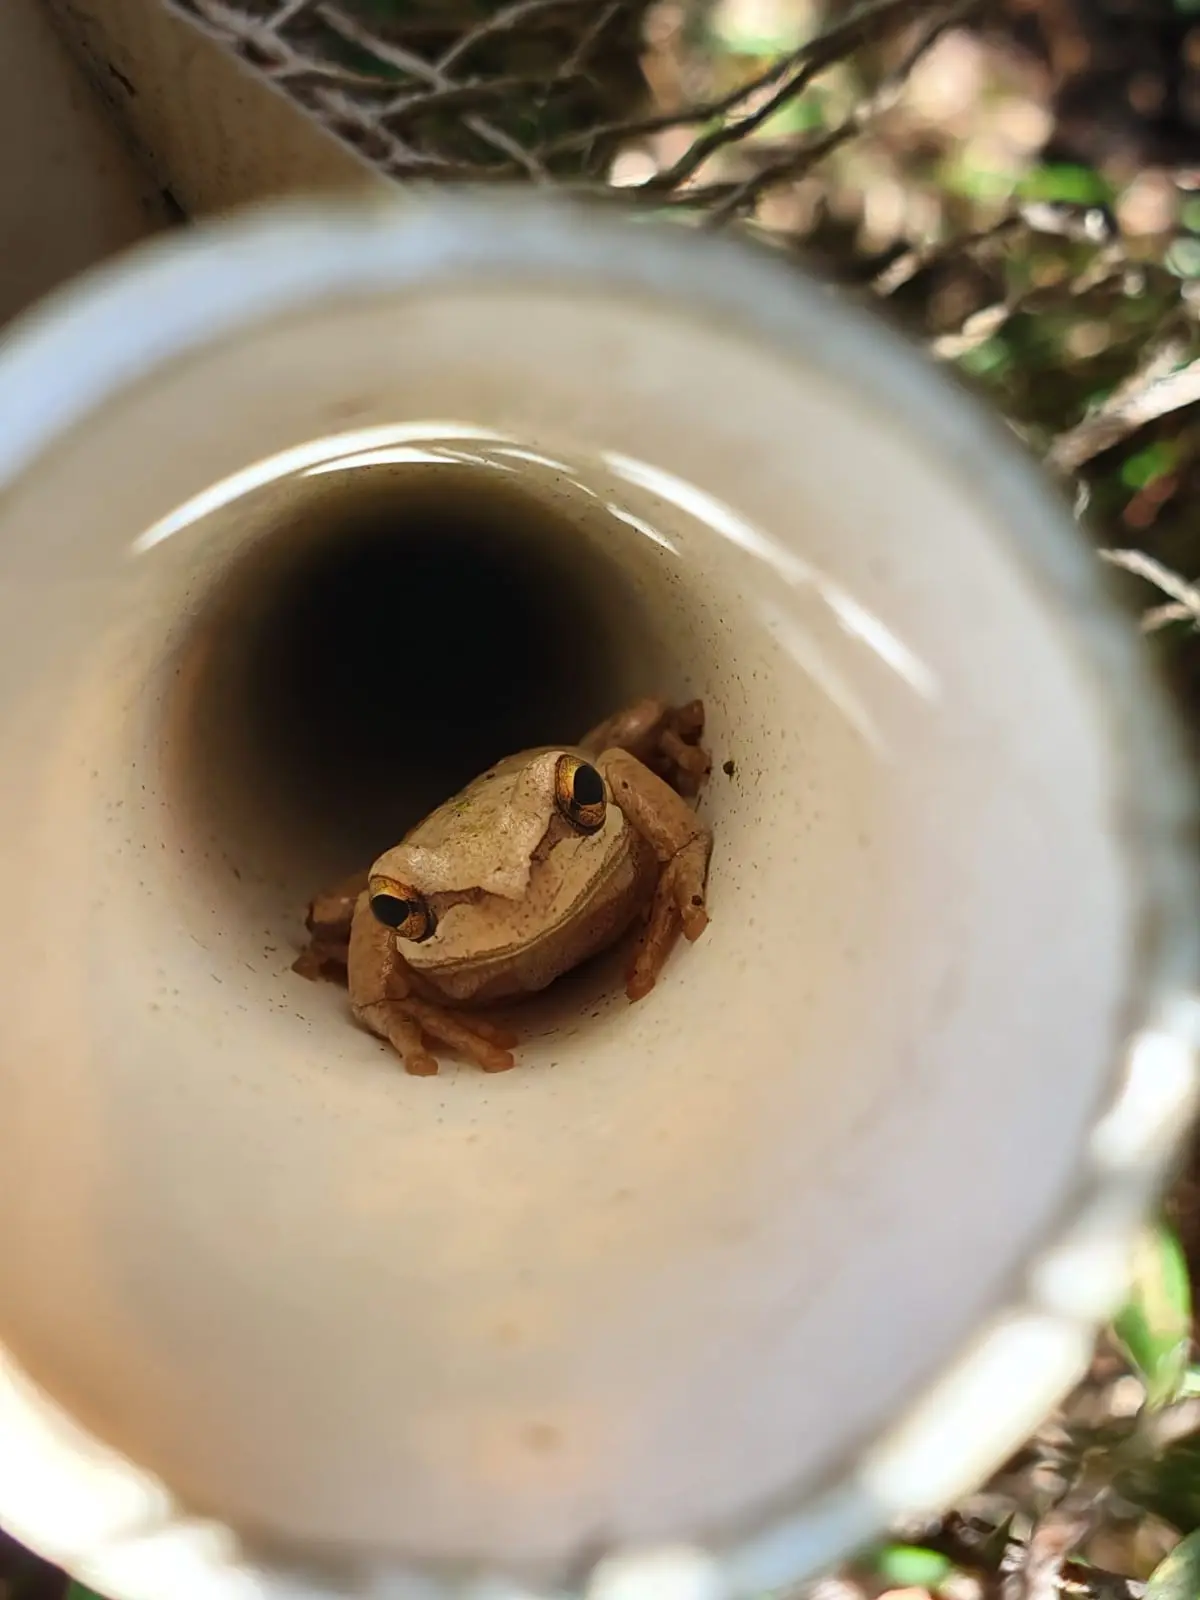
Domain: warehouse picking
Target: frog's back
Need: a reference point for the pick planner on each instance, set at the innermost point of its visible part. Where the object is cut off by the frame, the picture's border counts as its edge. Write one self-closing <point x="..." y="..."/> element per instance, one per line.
<point x="485" y="836"/>
<point x="483" y="803"/>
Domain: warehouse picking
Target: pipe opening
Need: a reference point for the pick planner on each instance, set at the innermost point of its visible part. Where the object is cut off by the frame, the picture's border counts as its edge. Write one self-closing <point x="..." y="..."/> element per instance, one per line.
<point x="351" y="1309"/>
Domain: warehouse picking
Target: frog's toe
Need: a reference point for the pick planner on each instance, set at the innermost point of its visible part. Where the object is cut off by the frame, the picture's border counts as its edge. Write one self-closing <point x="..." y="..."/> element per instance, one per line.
<point x="683" y="881"/>
<point x="692" y="760"/>
<point x="476" y="1042"/>
<point x="404" y="1034"/>
<point x="499" y="1061"/>
<point x="688" y="895"/>
<point x="419" y="1063"/>
<point x="308" y="964"/>
<point x="639" y="983"/>
<point x="681" y="758"/>
<point x="494" y="1033"/>
<point x="406" y="1038"/>
<point x="654" y="946"/>
<point x="688" y="721"/>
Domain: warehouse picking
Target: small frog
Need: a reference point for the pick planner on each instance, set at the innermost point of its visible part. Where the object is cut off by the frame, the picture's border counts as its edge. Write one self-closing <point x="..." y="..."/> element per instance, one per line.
<point x="545" y="860"/>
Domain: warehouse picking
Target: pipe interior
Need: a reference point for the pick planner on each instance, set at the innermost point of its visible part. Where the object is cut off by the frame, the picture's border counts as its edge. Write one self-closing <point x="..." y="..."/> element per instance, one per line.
<point x="641" y="1288"/>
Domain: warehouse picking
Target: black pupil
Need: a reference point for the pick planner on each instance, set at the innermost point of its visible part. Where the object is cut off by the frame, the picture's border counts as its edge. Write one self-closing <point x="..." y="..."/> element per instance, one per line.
<point x="587" y="787"/>
<point x="391" y="910"/>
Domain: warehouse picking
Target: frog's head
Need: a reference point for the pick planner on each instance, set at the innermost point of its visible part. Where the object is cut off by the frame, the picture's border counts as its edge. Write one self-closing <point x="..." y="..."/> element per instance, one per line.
<point x="502" y="865"/>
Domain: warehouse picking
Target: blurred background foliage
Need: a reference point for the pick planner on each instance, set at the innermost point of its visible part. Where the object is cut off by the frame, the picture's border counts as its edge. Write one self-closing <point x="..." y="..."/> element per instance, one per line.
<point x="1017" y="184"/>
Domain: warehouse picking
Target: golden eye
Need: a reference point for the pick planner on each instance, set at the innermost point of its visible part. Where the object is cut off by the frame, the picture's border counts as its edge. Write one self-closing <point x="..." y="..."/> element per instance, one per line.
<point x="579" y="793"/>
<point x="402" y="909"/>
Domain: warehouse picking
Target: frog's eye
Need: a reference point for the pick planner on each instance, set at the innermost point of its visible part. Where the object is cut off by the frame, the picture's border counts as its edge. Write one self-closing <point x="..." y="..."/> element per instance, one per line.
<point x="402" y="909"/>
<point x="579" y="793"/>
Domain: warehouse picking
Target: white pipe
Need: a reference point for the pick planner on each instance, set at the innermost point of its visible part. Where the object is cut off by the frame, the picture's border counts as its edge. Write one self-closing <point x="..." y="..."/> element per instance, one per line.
<point x="714" y="1284"/>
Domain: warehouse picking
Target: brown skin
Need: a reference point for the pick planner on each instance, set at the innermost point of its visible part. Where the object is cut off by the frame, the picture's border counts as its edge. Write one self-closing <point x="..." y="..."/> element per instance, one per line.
<point x="512" y="883"/>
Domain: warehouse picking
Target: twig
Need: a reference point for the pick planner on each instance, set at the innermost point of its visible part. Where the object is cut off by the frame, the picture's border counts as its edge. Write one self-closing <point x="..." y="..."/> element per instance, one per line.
<point x="1159" y="1430"/>
<point x="834" y="45"/>
<point x="982" y="325"/>
<point x="340" y="111"/>
<point x="288" y="12"/>
<point x="457" y="97"/>
<point x="1185" y="606"/>
<point x="577" y="61"/>
<point x="701" y="149"/>
<point x="425" y="71"/>
<point x="979" y="327"/>
<point x="273" y="55"/>
<point x="801" y="161"/>
<point x="1039" y="1569"/>
<point x="907" y="265"/>
<point x="321" y="85"/>
<point x="1162" y="616"/>
<point x="1058" y="1532"/>
<point x="1093" y="1583"/>
<point x="968" y="1549"/>
<point x="506" y="20"/>
<point x="1154" y="390"/>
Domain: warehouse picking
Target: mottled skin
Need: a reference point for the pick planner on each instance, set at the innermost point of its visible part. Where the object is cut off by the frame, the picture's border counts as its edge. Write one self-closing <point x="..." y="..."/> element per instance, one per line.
<point x="513" y="882"/>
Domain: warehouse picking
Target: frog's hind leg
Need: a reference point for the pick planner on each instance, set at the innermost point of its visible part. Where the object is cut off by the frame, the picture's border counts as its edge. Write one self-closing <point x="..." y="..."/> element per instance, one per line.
<point x="662" y="737"/>
<point x="635" y="729"/>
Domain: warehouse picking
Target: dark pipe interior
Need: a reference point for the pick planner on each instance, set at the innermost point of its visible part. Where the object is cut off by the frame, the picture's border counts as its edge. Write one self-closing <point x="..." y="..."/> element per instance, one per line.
<point x="364" y="660"/>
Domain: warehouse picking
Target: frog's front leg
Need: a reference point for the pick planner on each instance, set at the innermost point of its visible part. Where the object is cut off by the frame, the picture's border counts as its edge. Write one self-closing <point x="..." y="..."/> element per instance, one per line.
<point x="681" y="844"/>
<point x="384" y="997"/>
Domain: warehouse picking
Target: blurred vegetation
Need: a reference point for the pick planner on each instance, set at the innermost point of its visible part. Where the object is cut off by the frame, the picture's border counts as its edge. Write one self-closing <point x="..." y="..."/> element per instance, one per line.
<point x="1017" y="183"/>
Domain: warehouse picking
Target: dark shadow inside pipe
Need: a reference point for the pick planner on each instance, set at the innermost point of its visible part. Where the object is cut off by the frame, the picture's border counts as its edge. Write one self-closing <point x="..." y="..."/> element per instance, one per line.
<point x="367" y="656"/>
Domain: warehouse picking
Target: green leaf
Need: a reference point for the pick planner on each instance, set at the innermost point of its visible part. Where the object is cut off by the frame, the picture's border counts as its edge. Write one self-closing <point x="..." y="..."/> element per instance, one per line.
<point x="1066" y="184"/>
<point x="762" y="31"/>
<point x="1177" y="1577"/>
<point x="1155" y="1323"/>
<point x="1183" y="258"/>
<point x="911" y="1566"/>
<point x="804" y="114"/>
<point x="77" y="1591"/>
<point x="962" y="176"/>
<point x="992" y="359"/>
<point x="1167" y="1485"/>
<point x="1150" y="464"/>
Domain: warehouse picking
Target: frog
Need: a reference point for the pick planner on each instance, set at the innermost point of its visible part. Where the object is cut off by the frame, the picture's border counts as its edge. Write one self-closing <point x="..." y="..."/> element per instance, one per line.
<point x="548" y="858"/>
